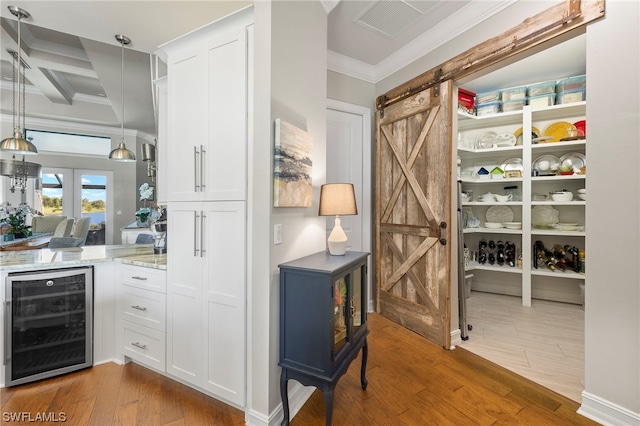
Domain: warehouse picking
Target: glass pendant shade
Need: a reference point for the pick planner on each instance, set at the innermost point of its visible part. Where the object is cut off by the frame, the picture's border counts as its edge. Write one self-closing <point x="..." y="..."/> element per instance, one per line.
<point x="18" y="145"/>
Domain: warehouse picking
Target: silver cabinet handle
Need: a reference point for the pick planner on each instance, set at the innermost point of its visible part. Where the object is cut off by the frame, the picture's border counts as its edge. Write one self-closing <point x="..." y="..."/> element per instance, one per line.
<point x="202" y="171"/>
<point x="202" y="223"/>
<point x="196" y="187"/>
<point x="138" y="307"/>
<point x="138" y="345"/>
<point x="195" y="233"/>
<point x="7" y="330"/>
<point x="139" y="278"/>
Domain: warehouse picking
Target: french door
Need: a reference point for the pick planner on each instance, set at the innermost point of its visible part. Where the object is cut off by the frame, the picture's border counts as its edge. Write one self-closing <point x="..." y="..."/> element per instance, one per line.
<point x="79" y="193"/>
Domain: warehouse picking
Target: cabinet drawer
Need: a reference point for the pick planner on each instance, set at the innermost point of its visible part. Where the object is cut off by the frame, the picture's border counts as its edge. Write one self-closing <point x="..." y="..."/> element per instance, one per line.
<point x="144" y="307"/>
<point x="144" y="345"/>
<point x="147" y="278"/>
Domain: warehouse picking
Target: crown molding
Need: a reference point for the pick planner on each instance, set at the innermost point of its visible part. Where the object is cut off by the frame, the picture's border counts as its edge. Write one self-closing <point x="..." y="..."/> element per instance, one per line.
<point x="448" y="29"/>
<point x="329" y="5"/>
<point x="351" y="67"/>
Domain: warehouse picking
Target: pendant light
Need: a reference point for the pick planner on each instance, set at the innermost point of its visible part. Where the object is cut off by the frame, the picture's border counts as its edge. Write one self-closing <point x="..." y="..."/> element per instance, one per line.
<point x="17" y="144"/>
<point x="121" y="153"/>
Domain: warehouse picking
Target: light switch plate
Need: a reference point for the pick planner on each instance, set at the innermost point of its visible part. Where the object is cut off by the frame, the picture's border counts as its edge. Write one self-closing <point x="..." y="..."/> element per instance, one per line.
<point x="277" y="234"/>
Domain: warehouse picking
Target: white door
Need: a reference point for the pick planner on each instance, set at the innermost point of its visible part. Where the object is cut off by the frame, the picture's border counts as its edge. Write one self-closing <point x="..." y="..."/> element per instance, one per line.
<point x="348" y="160"/>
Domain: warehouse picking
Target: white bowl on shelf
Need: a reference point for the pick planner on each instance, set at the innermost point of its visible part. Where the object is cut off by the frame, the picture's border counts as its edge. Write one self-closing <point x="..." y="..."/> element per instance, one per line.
<point x="562" y="196"/>
<point x="493" y="225"/>
<point x="583" y="196"/>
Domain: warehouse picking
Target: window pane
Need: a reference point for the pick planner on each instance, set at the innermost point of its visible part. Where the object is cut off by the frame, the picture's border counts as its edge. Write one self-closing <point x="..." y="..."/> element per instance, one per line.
<point x="51" y="194"/>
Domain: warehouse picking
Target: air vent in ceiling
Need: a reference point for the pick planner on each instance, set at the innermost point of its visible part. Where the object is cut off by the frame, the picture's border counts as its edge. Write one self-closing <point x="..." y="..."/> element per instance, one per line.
<point x="391" y="18"/>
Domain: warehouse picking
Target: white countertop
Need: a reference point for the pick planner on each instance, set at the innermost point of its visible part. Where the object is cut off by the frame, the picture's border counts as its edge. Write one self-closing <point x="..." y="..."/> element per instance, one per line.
<point x="134" y="254"/>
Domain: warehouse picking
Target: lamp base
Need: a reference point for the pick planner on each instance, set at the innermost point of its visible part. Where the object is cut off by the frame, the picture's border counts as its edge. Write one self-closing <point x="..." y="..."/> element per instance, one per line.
<point x="337" y="240"/>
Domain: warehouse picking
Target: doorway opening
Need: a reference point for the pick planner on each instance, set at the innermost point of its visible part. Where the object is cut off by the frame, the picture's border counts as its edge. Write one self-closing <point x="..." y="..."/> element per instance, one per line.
<point x="79" y="193"/>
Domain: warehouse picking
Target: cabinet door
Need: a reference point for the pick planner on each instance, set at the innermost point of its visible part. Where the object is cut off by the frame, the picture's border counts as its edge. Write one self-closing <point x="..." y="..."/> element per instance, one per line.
<point x="186" y="124"/>
<point x="224" y="158"/>
<point x="162" y="156"/>
<point x="184" y="292"/>
<point x="224" y="299"/>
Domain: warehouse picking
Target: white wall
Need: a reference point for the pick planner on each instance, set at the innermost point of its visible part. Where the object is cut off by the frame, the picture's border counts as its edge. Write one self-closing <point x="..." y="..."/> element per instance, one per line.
<point x="612" y="315"/>
<point x="291" y="58"/>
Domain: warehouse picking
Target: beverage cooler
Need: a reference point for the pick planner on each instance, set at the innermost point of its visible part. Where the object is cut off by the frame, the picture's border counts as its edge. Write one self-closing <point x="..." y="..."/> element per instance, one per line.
<point x="48" y="323"/>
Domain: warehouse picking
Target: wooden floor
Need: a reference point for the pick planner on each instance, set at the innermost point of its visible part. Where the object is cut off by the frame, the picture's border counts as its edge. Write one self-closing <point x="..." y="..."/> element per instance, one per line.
<point x="411" y="382"/>
<point x="544" y="342"/>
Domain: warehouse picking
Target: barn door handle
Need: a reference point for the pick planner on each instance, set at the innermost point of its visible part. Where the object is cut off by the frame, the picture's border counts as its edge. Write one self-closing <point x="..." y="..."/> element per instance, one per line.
<point x="441" y="228"/>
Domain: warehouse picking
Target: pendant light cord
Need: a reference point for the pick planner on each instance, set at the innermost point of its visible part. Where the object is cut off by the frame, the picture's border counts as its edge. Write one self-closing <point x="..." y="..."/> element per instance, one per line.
<point x="19" y="62"/>
<point x="122" y="88"/>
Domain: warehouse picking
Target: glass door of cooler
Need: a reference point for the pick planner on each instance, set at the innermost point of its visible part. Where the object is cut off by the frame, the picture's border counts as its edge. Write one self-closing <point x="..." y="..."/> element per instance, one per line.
<point x="49" y="325"/>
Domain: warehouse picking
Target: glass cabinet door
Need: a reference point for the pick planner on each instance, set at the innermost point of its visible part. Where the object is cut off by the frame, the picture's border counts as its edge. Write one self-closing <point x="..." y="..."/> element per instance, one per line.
<point x="340" y="314"/>
<point x="356" y="308"/>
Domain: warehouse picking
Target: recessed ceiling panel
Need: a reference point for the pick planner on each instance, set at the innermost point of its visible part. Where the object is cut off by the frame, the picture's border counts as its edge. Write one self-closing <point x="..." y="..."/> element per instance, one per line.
<point x="388" y="18"/>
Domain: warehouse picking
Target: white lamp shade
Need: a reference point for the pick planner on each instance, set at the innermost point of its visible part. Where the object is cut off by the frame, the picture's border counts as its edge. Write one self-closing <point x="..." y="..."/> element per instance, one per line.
<point x="337" y="199"/>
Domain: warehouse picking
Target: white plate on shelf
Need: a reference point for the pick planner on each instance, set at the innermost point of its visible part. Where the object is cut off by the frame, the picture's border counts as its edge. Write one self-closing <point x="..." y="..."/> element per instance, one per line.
<point x="512" y="225"/>
<point x="512" y="164"/>
<point x="499" y="214"/>
<point x="576" y="160"/>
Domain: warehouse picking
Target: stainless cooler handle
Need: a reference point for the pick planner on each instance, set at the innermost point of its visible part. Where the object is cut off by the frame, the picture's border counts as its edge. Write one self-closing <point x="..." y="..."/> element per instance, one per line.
<point x="7" y="330"/>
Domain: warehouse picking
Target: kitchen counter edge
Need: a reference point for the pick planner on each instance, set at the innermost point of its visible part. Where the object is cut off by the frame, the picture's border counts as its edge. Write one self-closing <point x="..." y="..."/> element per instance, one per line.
<point x="132" y="254"/>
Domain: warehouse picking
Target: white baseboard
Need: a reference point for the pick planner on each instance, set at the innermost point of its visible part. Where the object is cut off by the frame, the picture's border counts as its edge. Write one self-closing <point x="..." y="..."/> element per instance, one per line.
<point x="456" y="338"/>
<point x="606" y="413"/>
<point x="298" y="395"/>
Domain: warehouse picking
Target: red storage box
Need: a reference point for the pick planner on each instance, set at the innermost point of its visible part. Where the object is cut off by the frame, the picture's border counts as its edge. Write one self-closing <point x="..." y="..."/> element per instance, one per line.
<point x="466" y="98"/>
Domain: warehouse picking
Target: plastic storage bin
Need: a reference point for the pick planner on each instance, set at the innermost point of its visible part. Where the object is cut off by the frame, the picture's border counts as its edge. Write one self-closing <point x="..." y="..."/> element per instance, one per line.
<point x="570" y="96"/>
<point x="515" y="105"/>
<point x="542" y="100"/>
<point x="487" y="109"/>
<point x="467" y="285"/>
<point x="544" y="88"/>
<point x="487" y="97"/>
<point x="514" y="93"/>
<point x="572" y="83"/>
<point x="466" y="98"/>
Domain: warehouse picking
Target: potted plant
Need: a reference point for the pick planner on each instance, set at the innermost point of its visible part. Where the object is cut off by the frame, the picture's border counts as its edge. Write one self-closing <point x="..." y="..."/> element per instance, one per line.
<point x="146" y="193"/>
<point x="17" y="225"/>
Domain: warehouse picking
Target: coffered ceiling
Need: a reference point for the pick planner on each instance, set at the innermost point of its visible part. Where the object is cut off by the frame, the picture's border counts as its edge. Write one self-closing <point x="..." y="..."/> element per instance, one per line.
<point x="74" y="58"/>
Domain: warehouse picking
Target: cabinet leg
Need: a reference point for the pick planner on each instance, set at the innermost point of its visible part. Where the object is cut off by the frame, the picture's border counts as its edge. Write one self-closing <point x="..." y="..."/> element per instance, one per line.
<point x="363" y="371"/>
<point x="285" y="398"/>
<point x="328" y="405"/>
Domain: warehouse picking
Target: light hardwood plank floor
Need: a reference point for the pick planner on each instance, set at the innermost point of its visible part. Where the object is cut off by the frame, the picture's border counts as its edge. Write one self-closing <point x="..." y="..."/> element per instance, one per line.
<point x="544" y="343"/>
<point x="412" y="382"/>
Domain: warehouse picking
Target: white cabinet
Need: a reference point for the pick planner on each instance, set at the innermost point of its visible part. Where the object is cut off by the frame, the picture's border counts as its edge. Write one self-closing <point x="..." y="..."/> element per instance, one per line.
<point x="527" y="281"/>
<point x="206" y="296"/>
<point x="207" y="111"/>
<point x="142" y="314"/>
<point x="162" y="142"/>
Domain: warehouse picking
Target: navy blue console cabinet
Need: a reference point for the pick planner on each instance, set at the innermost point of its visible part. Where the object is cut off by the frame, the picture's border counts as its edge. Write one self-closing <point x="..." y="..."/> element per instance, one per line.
<point x="323" y="321"/>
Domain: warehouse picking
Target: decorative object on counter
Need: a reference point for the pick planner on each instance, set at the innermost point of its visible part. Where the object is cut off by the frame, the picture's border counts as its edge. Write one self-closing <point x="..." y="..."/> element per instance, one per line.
<point x="337" y="199"/>
<point x="121" y="153"/>
<point x="293" y="166"/>
<point x="17" y="144"/>
<point x="146" y="193"/>
<point x="17" y="225"/>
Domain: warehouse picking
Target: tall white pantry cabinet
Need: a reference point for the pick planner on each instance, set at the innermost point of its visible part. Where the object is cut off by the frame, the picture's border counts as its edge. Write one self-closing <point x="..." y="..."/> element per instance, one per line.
<point x="206" y="176"/>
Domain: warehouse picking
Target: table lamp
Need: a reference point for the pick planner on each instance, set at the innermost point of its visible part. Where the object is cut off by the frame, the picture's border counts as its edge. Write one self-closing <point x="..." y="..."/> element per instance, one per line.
<point x="337" y="199"/>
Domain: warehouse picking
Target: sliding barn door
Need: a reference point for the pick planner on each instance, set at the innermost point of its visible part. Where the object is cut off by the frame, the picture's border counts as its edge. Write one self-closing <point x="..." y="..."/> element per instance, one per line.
<point x="412" y="213"/>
